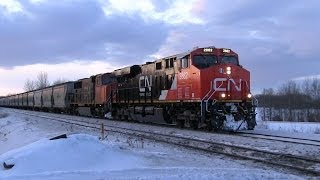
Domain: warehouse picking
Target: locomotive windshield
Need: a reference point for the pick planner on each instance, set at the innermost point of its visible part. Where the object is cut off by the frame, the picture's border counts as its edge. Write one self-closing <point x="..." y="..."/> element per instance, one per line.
<point x="204" y="61"/>
<point x="230" y="59"/>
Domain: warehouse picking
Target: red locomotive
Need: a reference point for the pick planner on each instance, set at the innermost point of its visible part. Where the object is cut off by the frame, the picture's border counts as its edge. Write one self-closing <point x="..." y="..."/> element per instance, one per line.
<point x="198" y="88"/>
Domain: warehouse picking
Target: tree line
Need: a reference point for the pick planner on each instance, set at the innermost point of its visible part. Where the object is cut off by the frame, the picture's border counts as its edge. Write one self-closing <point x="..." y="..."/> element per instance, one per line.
<point x="41" y="81"/>
<point x="293" y="101"/>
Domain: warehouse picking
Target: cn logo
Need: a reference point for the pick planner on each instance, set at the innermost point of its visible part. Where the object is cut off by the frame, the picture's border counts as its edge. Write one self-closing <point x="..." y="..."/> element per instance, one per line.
<point x="145" y="81"/>
<point x="224" y="84"/>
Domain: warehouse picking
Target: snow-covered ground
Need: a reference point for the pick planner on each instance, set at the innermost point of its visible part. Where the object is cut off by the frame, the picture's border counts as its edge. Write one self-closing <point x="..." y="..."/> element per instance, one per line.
<point x="296" y="127"/>
<point x="24" y="142"/>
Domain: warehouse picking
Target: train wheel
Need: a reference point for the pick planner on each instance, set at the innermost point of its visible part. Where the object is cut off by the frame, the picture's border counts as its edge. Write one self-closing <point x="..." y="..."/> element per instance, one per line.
<point x="250" y="127"/>
<point x="217" y="123"/>
<point x="180" y="123"/>
<point x="251" y="124"/>
<point x="194" y="124"/>
<point x="251" y="121"/>
<point x="209" y="125"/>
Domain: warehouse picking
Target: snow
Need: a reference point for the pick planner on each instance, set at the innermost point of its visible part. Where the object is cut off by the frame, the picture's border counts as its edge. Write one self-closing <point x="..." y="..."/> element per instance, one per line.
<point x="17" y="131"/>
<point x="24" y="142"/>
<point x="231" y="124"/>
<point x="78" y="152"/>
<point x="81" y="156"/>
<point x="296" y="127"/>
<point x="293" y="127"/>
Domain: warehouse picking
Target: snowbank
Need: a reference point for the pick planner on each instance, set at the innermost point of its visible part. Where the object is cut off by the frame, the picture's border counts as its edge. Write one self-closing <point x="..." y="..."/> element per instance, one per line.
<point x="85" y="157"/>
<point x="75" y="154"/>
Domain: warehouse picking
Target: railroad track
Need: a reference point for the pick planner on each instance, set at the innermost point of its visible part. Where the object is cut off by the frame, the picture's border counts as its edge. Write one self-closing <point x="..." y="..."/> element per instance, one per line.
<point x="286" y="139"/>
<point x="302" y="164"/>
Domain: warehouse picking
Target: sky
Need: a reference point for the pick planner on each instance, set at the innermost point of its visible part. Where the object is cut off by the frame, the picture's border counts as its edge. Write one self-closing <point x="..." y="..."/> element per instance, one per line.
<point x="72" y="39"/>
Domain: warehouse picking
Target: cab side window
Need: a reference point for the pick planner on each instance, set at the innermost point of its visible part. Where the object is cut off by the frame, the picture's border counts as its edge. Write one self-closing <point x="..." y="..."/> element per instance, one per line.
<point x="184" y="62"/>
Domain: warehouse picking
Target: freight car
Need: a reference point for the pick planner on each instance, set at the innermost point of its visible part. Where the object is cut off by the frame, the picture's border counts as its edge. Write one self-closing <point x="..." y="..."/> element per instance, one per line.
<point x="2" y="101"/>
<point x="37" y="99"/>
<point x="62" y="96"/>
<point x="198" y="88"/>
<point x="30" y="100"/>
<point x="55" y="98"/>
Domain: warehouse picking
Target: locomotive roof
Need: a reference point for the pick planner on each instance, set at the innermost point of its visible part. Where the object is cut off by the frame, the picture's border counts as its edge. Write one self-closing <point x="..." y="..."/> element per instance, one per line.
<point x="179" y="55"/>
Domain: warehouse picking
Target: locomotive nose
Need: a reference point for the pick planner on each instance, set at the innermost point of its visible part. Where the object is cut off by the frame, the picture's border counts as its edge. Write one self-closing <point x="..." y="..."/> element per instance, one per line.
<point x="231" y="82"/>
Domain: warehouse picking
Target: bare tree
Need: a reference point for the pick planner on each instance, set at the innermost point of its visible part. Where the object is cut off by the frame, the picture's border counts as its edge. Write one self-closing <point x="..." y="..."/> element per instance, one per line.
<point x="315" y="88"/>
<point x="290" y="91"/>
<point x="293" y="101"/>
<point x="289" y="88"/>
<point x="29" y="85"/>
<point x="59" y="81"/>
<point x="42" y="80"/>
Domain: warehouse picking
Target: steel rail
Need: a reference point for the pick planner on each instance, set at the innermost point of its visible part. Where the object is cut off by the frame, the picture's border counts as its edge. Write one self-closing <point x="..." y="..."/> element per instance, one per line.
<point x="295" y="140"/>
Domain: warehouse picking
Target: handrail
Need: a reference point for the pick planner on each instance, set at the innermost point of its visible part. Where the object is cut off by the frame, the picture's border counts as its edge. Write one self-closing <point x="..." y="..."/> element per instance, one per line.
<point x="208" y="92"/>
<point x="213" y="102"/>
<point x="255" y="102"/>
<point x="206" y="98"/>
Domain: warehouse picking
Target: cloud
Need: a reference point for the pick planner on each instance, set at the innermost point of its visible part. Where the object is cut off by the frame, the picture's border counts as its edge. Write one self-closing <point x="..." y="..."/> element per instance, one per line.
<point x="285" y="23"/>
<point x="307" y="77"/>
<point x="127" y="7"/>
<point x="57" y="32"/>
<point x="177" y="12"/>
<point x="275" y="41"/>
<point x="170" y="47"/>
<point x="37" y="2"/>
<point x="15" y="77"/>
<point x="11" y="6"/>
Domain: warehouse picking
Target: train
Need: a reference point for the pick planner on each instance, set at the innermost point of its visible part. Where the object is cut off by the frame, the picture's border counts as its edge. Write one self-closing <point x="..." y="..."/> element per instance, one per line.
<point x="198" y="88"/>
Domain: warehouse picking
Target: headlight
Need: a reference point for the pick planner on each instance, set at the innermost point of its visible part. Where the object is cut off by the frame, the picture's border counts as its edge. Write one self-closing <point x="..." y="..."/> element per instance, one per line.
<point x="249" y="95"/>
<point x="223" y="95"/>
<point x="228" y="70"/>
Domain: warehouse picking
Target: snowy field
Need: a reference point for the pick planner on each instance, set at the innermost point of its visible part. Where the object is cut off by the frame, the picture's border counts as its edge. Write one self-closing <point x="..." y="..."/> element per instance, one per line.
<point x="295" y="127"/>
<point x="24" y="142"/>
